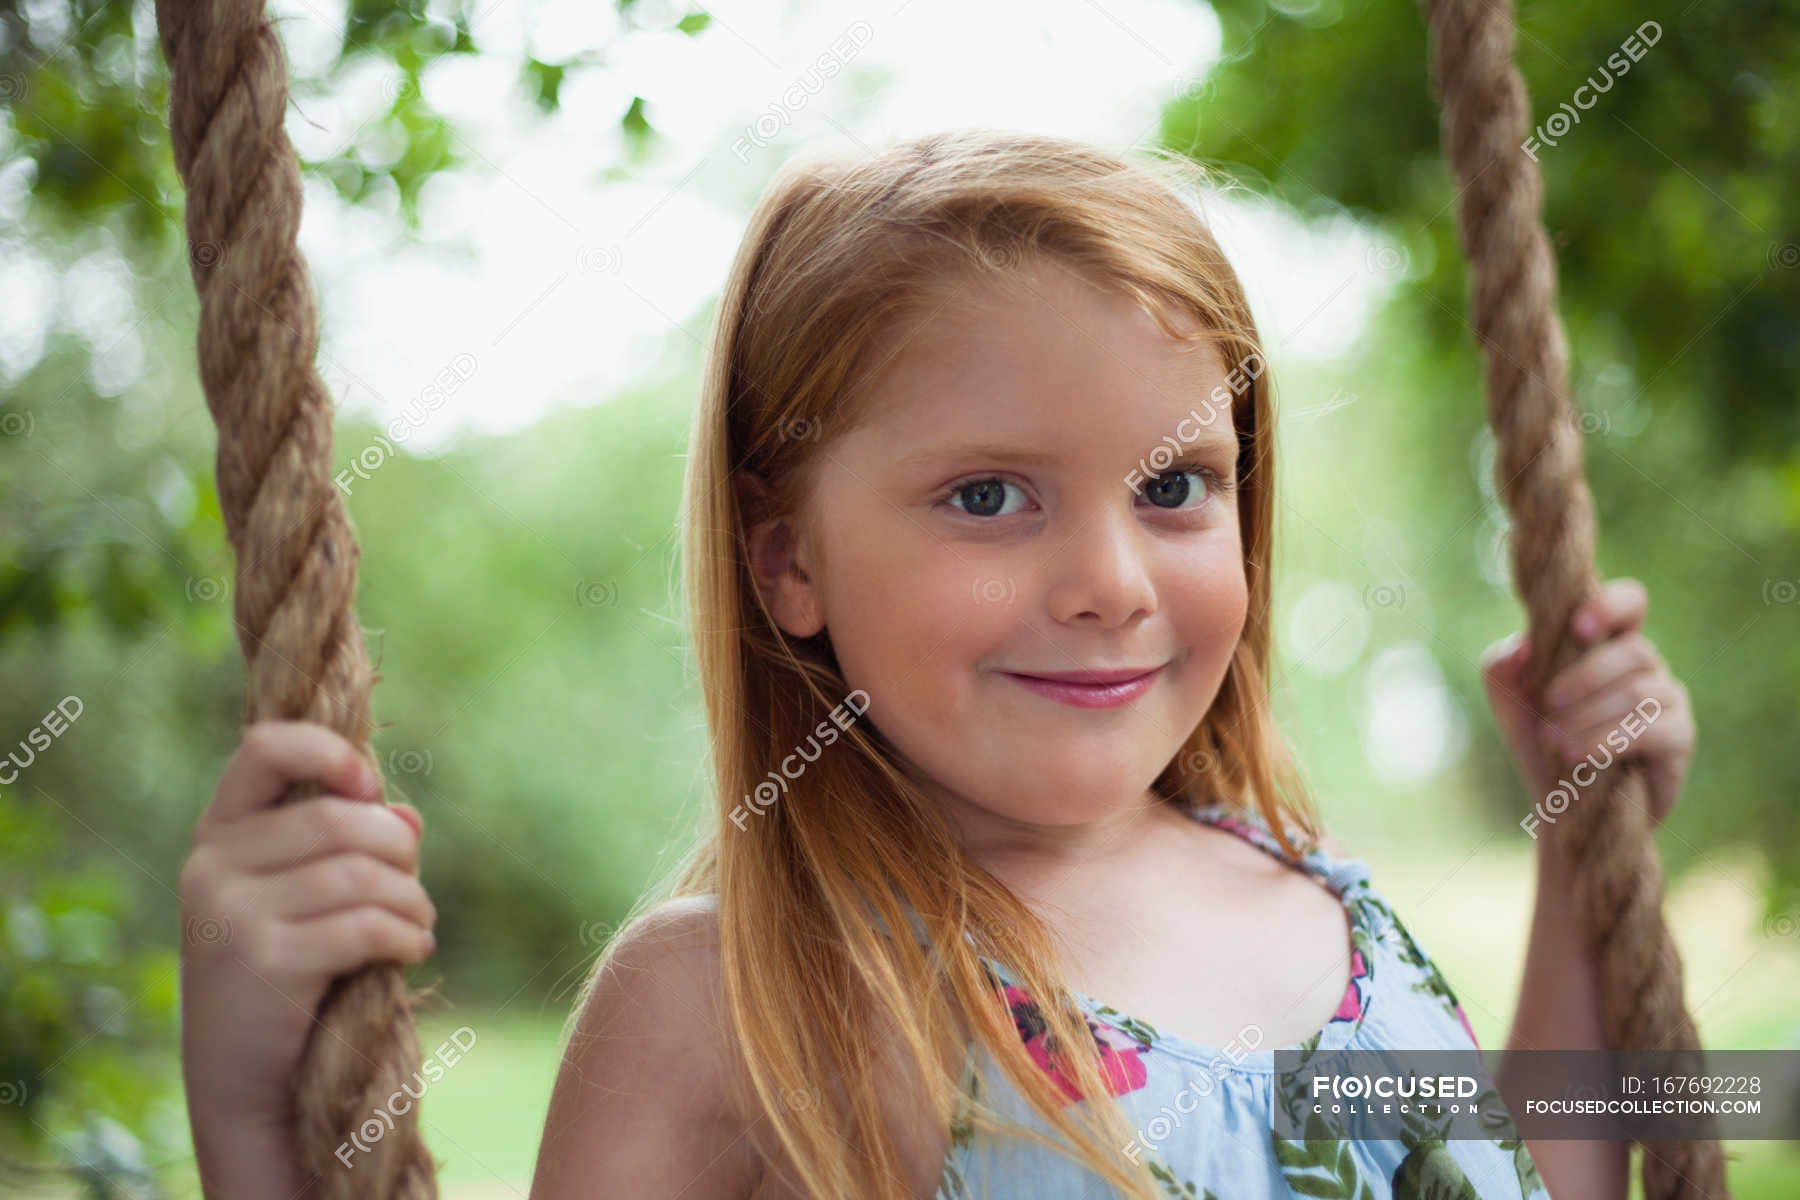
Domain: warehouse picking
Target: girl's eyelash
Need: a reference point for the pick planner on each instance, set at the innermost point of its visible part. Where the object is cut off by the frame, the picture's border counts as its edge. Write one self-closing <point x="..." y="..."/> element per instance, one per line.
<point x="1217" y="485"/>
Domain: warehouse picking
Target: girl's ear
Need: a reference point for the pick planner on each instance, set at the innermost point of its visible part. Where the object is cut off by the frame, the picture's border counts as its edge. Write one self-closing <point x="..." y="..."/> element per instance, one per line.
<point x="779" y="563"/>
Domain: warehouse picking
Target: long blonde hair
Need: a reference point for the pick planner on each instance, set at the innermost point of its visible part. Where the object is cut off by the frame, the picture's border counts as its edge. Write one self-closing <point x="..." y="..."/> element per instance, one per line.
<point x="840" y="248"/>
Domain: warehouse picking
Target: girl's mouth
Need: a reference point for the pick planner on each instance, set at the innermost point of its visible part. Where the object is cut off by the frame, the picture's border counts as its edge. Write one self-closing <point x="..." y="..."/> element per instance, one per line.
<point x="1088" y="695"/>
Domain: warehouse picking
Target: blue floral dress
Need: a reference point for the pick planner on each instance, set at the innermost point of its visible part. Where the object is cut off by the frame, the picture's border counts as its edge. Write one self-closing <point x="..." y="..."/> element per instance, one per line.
<point x="1202" y="1113"/>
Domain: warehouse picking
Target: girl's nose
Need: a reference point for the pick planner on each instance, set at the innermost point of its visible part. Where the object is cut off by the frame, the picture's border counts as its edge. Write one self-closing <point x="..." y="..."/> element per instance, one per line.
<point x="1102" y="572"/>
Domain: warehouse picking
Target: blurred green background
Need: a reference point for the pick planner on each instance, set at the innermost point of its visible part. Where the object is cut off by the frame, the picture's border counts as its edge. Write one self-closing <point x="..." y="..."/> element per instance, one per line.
<point x="536" y="700"/>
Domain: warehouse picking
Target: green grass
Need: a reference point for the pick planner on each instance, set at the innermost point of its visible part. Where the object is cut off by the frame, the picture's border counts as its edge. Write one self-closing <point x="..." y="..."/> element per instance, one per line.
<point x="484" y="1118"/>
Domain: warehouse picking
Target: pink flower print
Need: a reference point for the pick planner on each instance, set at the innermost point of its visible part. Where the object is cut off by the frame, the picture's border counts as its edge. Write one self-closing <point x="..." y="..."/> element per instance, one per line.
<point x="1350" y="1007"/>
<point x="1121" y="1056"/>
<point x="1238" y="826"/>
<point x="1461" y="1016"/>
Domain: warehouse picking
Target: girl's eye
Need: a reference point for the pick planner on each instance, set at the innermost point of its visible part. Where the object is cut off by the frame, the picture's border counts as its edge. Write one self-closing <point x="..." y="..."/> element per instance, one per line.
<point x="986" y="497"/>
<point x="1171" y="488"/>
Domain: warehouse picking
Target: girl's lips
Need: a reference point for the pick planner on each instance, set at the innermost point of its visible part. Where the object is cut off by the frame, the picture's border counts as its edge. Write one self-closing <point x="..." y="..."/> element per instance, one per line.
<point x="1088" y="695"/>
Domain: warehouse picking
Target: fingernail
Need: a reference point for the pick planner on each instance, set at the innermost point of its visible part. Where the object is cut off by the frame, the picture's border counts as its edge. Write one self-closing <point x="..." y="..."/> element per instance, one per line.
<point x="367" y="781"/>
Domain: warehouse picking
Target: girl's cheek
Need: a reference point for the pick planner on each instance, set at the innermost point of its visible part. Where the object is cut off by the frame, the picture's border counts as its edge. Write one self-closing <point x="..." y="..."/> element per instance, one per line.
<point x="1211" y="583"/>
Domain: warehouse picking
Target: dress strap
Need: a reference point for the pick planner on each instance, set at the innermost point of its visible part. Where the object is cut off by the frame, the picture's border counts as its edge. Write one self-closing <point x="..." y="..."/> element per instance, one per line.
<point x="1345" y="876"/>
<point x="1248" y="823"/>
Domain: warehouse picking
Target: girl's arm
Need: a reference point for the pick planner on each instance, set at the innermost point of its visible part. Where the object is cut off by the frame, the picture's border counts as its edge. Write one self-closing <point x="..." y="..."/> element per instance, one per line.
<point x="1559" y="1009"/>
<point x="236" y="1159"/>
<point x="1610" y="688"/>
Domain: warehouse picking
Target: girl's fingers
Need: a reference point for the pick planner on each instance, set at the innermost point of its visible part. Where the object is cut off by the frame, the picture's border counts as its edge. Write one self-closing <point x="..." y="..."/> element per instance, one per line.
<point x="1503" y="672"/>
<point x="1668" y="736"/>
<point x="1598" y="668"/>
<point x="343" y="881"/>
<point x="1619" y="607"/>
<point x="1610" y="703"/>
<point x="324" y="825"/>
<point x="1505" y="657"/>
<point x="272" y="754"/>
<point x="1633" y="708"/>
<point x="344" y="940"/>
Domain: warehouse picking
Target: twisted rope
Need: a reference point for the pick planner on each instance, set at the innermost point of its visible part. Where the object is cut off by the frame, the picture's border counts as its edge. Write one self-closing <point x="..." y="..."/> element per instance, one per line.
<point x="1512" y="298"/>
<point x="295" y="548"/>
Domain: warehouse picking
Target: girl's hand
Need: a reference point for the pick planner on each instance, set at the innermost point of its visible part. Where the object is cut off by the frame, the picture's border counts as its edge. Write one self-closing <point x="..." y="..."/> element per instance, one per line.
<point x="275" y="902"/>
<point x="1617" y="685"/>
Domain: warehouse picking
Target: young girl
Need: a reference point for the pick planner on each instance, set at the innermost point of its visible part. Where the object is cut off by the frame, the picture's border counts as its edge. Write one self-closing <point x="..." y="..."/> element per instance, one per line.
<point x="1013" y="888"/>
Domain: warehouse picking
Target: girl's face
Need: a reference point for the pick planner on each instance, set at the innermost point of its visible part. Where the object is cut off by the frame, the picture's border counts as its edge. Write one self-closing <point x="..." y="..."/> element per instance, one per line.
<point x="995" y="517"/>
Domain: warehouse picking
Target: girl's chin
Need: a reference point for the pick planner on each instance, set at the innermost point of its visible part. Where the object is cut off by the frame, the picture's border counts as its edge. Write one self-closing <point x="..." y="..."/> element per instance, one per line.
<point x="1065" y="799"/>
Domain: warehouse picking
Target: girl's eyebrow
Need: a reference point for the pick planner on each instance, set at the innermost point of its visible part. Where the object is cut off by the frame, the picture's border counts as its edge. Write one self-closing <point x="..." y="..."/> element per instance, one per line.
<point x="1023" y="456"/>
<point x="996" y="453"/>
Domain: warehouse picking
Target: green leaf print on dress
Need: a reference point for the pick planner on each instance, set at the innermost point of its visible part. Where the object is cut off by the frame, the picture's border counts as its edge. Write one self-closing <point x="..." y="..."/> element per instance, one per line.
<point x="1494" y="1114"/>
<point x="952" y="1185"/>
<point x="1431" y="980"/>
<point x="1321" y="1167"/>
<point x="1180" y="1189"/>
<point x="1498" y="1121"/>
<point x="1141" y="1030"/>
<point x="1430" y="1172"/>
<point x="1321" y="1164"/>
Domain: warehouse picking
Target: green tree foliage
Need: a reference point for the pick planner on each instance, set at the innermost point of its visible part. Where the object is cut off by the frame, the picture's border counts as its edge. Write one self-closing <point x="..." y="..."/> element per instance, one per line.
<point x="1673" y="204"/>
<point x="116" y="589"/>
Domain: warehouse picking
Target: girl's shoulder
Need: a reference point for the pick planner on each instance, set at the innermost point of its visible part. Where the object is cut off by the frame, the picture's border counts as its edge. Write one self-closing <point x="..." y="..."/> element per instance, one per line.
<point x="672" y="947"/>
<point x="649" y="1083"/>
<point x="654" y="1050"/>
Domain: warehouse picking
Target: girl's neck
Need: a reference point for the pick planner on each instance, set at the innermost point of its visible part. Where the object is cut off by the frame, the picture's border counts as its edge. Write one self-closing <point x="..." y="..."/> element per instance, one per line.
<point x="1006" y="846"/>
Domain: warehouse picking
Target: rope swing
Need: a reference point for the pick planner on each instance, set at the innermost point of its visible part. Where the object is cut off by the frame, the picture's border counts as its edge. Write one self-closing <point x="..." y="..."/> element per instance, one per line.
<point x="1512" y="298"/>
<point x="296" y="551"/>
